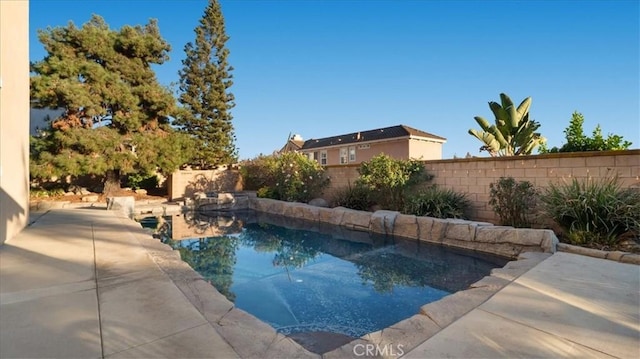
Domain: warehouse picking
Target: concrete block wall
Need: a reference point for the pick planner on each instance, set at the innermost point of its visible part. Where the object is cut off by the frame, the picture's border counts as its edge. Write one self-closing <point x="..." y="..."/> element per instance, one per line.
<point x="473" y="175"/>
<point x="340" y="176"/>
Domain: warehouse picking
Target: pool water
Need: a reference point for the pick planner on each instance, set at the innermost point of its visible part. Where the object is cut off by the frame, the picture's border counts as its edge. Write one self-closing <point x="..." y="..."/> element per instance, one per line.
<point x="331" y="281"/>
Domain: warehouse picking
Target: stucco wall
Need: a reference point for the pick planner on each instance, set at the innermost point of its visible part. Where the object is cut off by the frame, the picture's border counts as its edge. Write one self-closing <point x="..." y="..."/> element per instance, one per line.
<point x="426" y="150"/>
<point x="473" y="175"/>
<point x="14" y="117"/>
<point x="183" y="184"/>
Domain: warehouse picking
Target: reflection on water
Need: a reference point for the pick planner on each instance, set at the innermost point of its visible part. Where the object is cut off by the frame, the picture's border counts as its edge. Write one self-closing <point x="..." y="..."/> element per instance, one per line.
<point x="300" y="276"/>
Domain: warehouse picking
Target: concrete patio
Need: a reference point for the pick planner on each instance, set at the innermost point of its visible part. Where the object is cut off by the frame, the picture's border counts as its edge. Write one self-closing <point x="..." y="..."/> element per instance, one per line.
<point x="90" y="283"/>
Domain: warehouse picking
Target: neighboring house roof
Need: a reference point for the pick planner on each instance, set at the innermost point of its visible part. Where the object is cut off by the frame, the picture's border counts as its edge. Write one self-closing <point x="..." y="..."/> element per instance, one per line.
<point x="371" y="135"/>
<point x="292" y="145"/>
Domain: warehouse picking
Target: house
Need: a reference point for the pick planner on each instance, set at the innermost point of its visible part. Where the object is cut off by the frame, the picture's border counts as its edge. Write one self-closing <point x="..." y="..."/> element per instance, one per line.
<point x="294" y="143"/>
<point x="400" y="142"/>
<point x="14" y="120"/>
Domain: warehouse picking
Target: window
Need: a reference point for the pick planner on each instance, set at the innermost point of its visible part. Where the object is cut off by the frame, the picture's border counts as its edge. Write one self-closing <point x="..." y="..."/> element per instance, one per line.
<point x="352" y="153"/>
<point x="343" y="155"/>
<point x="323" y="158"/>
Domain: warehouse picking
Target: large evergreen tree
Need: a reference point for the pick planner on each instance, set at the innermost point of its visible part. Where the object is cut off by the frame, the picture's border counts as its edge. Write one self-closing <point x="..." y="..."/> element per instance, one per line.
<point x="204" y="92"/>
<point x="116" y="117"/>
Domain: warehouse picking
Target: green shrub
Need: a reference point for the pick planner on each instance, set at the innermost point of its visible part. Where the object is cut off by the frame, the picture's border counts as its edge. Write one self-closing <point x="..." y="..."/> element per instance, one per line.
<point x="593" y="212"/>
<point x="46" y="193"/>
<point x="354" y="197"/>
<point x="258" y="172"/>
<point x="437" y="202"/>
<point x="513" y="201"/>
<point x="290" y="176"/>
<point x="389" y="180"/>
<point x="140" y="180"/>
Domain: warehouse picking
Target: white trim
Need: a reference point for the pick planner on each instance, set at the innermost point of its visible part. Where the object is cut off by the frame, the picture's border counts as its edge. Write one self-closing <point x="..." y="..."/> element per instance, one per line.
<point x="344" y="155"/>
<point x="427" y="139"/>
<point x="352" y="148"/>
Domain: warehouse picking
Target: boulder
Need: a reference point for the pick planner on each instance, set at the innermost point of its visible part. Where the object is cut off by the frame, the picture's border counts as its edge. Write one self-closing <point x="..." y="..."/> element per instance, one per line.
<point x="125" y="204"/>
<point x="141" y="191"/>
<point x="382" y="222"/>
<point x="319" y="202"/>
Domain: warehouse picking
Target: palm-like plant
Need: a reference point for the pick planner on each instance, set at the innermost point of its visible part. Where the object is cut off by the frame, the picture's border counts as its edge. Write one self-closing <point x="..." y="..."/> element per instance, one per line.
<point x="513" y="133"/>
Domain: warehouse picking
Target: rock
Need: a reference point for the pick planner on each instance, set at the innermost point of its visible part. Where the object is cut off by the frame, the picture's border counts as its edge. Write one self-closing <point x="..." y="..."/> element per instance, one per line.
<point x="92" y="198"/>
<point x="225" y="198"/>
<point x="141" y="191"/>
<point x="382" y="222"/>
<point x="67" y="194"/>
<point x="357" y="220"/>
<point x="75" y="189"/>
<point x="406" y="226"/>
<point x="199" y="195"/>
<point x="319" y="202"/>
<point x="124" y="204"/>
<point x="85" y="192"/>
<point x="461" y="230"/>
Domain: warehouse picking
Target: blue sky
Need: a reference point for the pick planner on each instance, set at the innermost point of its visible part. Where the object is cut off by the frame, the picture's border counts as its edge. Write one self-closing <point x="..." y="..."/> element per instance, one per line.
<point x="323" y="68"/>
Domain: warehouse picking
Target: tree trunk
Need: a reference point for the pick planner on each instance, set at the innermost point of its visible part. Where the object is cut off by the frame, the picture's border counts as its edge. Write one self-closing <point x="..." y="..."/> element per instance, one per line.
<point x="111" y="182"/>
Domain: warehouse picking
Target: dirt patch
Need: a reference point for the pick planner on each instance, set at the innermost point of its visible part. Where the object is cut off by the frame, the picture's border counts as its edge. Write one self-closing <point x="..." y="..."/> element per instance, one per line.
<point x="156" y="196"/>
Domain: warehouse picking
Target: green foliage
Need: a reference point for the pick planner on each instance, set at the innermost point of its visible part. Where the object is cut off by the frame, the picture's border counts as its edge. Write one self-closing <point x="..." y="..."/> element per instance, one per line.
<point x="139" y="180"/>
<point x="259" y="172"/>
<point x="214" y="258"/>
<point x="513" y="133"/>
<point x="513" y="201"/>
<point x="205" y="80"/>
<point x="44" y="193"/>
<point x="577" y="141"/>
<point x="103" y="77"/>
<point x="355" y="197"/>
<point x="290" y="176"/>
<point x="389" y="180"/>
<point x="593" y="212"/>
<point x="291" y="248"/>
<point x="437" y="202"/>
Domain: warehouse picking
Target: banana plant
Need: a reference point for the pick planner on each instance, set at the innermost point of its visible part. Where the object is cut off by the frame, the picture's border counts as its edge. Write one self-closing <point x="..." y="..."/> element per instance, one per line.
<point x="513" y="134"/>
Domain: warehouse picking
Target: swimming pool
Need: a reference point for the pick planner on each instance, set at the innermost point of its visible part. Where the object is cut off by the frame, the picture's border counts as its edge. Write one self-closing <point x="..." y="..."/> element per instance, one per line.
<point x="327" y="280"/>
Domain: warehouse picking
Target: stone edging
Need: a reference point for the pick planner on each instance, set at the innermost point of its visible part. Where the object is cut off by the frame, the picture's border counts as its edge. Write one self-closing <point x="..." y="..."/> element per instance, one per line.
<point x="478" y="236"/>
<point x="618" y="256"/>
<point x="435" y="316"/>
<point x="247" y="335"/>
<point x="234" y="324"/>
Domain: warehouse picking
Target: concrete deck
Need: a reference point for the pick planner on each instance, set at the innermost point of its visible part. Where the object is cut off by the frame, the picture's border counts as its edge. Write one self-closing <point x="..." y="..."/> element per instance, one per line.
<point x="91" y="284"/>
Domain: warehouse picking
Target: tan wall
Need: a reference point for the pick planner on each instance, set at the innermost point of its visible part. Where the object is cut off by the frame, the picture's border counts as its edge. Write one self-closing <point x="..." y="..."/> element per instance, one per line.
<point x="14" y="117"/>
<point x="183" y="184"/>
<point x="394" y="148"/>
<point x="425" y="150"/>
<point x="473" y="175"/>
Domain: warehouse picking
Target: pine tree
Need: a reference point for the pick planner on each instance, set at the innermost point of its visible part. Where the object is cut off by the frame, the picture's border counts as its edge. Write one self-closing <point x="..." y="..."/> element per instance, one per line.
<point x="205" y="80"/>
<point x="116" y="117"/>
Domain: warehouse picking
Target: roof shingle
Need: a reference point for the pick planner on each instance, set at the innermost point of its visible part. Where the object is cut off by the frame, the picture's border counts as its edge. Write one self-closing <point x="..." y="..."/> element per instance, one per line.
<point x="370" y="135"/>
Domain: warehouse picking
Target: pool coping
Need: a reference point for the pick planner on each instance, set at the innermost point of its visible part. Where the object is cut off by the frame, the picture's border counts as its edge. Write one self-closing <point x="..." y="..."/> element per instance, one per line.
<point x="233" y="324"/>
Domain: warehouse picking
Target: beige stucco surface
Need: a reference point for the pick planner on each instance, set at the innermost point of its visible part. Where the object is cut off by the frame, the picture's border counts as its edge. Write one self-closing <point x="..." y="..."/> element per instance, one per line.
<point x="14" y="117"/>
<point x="399" y="148"/>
